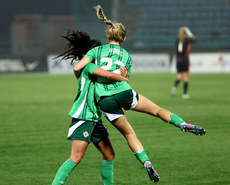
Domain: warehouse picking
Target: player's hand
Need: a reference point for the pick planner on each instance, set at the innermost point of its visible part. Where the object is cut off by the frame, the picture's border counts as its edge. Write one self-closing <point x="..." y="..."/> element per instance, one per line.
<point x="123" y="71"/>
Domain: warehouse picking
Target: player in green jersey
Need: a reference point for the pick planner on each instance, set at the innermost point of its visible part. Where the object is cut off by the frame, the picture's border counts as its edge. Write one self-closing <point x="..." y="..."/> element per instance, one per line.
<point x="126" y="97"/>
<point x="86" y="125"/>
<point x="112" y="97"/>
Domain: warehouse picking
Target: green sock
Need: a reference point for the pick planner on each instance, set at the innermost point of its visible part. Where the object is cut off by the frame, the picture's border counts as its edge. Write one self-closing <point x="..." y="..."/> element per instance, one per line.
<point x="141" y="156"/>
<point x="107" y="172"/>
<point x="63" y="172"/>
<point x="176" y="120"/>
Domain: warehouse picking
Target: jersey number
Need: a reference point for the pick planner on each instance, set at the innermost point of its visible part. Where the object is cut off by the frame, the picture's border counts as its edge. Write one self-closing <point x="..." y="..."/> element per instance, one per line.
<point x="109" y="64"/>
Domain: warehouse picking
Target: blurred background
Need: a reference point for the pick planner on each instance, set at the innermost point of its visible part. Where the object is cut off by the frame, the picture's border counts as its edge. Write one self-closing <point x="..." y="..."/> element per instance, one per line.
<point x="34" y="103"/>
<point x="31" y="30"/>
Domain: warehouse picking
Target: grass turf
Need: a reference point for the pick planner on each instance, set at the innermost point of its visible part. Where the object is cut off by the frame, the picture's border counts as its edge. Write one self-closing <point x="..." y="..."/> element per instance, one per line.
<point x="34" y="123"/>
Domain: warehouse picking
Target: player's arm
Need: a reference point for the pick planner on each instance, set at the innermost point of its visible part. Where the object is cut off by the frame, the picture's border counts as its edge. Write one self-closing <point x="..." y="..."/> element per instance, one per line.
<point x="110" y="75"/>
<point x="124" y="71"/>
<point x="81" y="64"/>
<point x="97" y="71"/>
<point x="90" y="56"/>
<point x="190" y="35"/>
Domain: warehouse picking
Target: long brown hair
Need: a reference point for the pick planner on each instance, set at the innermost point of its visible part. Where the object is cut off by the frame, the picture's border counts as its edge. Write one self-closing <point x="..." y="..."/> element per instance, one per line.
<point x="79" y="43"/>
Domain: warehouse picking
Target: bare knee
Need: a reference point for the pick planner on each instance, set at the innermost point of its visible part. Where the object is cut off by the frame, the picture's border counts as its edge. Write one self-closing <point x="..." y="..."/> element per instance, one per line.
<point x="109" y="157"/>
<point x="186" y="76"/>
<point x="186" y="79"/>
<point x="154" y="111"/>
<point x="179" y="76"/>
<point x="76" y="159"/>
<point x="157" y="111"/>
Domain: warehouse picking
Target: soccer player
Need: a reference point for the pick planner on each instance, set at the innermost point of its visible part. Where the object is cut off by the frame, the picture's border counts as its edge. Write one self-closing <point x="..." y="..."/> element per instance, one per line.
<point x="122" y="98"/>
<point x="183" y="48"/>
<point x="112" y="97"/>
<point x="86" y="125"/>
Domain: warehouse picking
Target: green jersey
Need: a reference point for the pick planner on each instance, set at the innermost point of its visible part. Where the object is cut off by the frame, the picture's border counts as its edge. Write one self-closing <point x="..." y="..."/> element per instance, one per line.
<point x="110" y="57"/>
<point x="84" y="107"/>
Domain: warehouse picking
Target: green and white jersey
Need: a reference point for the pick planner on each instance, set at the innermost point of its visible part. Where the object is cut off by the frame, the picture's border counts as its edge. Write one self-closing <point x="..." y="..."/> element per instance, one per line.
<point x="110" y="57"/>
<point x="84" y="107"/>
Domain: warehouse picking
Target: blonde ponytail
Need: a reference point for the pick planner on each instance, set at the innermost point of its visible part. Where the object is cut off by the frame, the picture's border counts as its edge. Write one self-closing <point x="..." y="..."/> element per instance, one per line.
<point x="101" y="15"/>
<point x="115" y="31"/>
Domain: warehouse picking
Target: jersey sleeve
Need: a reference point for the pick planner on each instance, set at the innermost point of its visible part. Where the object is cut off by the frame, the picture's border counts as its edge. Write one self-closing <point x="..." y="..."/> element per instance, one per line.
<point x="91" y="54"/>
<point x="90" y="68"/>
<point x="129" y="65"/>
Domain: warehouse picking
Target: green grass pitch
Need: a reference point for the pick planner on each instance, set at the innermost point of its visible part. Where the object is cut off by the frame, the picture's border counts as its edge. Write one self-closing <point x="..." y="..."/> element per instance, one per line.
<point x="34" y="123"/>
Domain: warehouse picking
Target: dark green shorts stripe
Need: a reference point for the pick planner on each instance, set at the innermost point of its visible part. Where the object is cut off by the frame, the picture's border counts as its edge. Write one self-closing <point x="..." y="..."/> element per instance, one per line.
<point x="115" y="103"/>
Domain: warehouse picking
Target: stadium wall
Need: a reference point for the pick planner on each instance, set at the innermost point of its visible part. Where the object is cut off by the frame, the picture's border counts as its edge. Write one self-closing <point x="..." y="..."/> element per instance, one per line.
<point x="142" y="63"/>
<point x="23" y="64"/>
<point x="147" y="63"/>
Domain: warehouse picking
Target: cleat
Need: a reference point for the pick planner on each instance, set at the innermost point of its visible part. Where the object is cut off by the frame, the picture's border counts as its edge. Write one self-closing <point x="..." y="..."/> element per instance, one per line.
<point x="185" y="96"/>
<point x="193" y="129"/>
<point x="153" y="175"/>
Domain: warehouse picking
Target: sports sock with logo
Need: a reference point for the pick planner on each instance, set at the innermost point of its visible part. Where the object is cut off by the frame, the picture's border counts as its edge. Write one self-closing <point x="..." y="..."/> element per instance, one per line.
<point x="141" y="156"/>
<point x="176" y="120"/>
<point x="107" y="172"/>
<point x="63" y="172"/>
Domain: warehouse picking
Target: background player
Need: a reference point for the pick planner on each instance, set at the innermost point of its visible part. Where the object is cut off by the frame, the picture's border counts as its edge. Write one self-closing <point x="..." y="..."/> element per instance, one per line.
<point x="183" y="48"/>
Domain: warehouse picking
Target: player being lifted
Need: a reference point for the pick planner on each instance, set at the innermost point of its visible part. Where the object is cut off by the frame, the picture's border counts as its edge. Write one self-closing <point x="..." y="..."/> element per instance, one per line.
<point x="113" y="97"/>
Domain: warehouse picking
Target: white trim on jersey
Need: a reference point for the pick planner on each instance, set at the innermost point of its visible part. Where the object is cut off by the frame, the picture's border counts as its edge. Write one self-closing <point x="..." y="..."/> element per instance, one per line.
<point x="82" y="83"/>
<point x="74" y="127"/>
<point x="180" y="47"/>
<point x="76" y="114"/>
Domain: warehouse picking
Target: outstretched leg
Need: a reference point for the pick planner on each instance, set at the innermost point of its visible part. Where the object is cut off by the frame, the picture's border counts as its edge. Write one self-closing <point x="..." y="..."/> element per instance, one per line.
<point x="147" y="106"/>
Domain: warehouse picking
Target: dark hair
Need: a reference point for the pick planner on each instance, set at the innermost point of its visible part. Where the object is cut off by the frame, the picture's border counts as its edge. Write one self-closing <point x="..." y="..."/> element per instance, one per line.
<point x="79" y="43"/>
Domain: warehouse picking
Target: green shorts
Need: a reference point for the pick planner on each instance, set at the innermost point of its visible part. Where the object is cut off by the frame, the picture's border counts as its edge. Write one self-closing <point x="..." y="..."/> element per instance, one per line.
<point x="88" y="131"/>
<point x="111" y="106"/>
